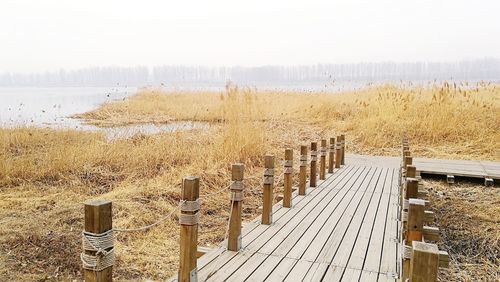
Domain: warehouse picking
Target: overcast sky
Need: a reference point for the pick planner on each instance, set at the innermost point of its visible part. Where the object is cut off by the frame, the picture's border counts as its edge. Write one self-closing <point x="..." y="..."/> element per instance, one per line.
<point x="44" y="35"/>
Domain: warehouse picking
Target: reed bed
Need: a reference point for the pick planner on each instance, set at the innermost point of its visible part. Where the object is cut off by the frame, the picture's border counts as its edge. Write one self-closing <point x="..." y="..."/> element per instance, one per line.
<point x="46" y="175"/>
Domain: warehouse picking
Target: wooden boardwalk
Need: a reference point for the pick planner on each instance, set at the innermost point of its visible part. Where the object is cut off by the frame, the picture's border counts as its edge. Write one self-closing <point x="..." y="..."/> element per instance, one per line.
<point x="464" y="168"/>
<point x="346" y="229"/>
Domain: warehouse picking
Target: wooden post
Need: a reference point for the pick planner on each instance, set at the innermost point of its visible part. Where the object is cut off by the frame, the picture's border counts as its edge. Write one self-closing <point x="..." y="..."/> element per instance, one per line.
<point x="411" y="171"/>
<point x="331" y="155"/>
<point x="303" y="170"/>
<point x="322" y="162"/>
<point x="338" y="153"/>
<point x="314" y="156"/>
<point x="267" y="205"/>
<point x="408" y="160"/>
<point x="414" y="229"/>
<point x="415" y="222"/>
<point x="287" y="179"/>
<point x="234" y="239"/>
<point x="342" y="160"/>
<point x="424" y="263"/>
<point x="98" y="220"/>
<point x="411" y="188"/>
<point x="189" y="229"/>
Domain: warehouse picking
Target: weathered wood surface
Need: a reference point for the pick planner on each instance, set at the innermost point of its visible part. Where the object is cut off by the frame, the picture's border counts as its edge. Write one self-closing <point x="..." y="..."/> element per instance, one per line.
<point x="464" y="168"/>
<point x="345" y="229"/>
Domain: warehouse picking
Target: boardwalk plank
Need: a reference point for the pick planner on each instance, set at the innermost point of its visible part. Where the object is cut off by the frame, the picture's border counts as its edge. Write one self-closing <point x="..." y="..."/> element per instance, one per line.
<point x="284" y="267"/>
<point x="313" y="249"/>
<point x="330" y="248"/>
<point x="359" y="250"/>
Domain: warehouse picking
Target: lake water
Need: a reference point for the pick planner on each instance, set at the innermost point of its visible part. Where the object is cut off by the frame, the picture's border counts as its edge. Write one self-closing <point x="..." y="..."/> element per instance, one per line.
<point x="52" y="107"/>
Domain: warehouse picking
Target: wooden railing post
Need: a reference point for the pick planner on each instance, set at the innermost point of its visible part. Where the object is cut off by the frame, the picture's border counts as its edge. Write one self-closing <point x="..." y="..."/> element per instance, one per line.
<point x="267" y="205"/>
<point x="424" y="262"/>
<point x="234" y="238"/>
<point x="338" y="153"/>
<point x="287" y="178"/>
<point x="314" y="158"/>
<point x="342" y="160"/>
<point x="411" y="171"/>
<point x="415" y="222"/>
<point x="322" y="162"/>
<point x="331" y="155"/>
<point x="303" y="170"/>
<point x="411" y="188"/>
<point x="414" y="228"/>
<point x="98" y="221"/>
<point x="188" y="220"/>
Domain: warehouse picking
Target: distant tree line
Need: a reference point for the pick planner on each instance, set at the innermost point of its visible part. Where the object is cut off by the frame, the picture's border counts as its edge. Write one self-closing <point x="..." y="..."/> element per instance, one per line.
<point x="180" y="75"/>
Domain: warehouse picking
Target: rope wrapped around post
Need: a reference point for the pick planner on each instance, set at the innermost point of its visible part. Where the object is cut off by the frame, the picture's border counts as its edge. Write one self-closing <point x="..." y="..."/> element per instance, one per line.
<point x="322" y="163"/>
<point x="268" y="176"/>
<point x="331" y="155"/>
<point x="314" y="159"/>
<point x="234" y="229"/>
<point x="303" y="170"/>
<point x="189" y="206"/>
<point x="97" y="242"/>
<point x="267" y="195"/>
<point x="237" y="187"/>
<point x="103" y="250"/>
<point x="287" y="178"/>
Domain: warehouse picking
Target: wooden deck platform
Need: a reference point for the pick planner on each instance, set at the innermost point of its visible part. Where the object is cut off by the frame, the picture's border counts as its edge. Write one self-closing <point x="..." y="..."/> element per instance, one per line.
<point x="474" y="169"/>
<point x="464" y="168"/>
<point x="346" y="229"/>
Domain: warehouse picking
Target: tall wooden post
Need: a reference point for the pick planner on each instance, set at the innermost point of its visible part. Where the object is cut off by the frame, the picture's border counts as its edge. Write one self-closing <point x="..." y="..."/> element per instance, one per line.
<point x="424" y="263"/>
<point x="98" y="220"/>
<point x="267" y="205"/>
<point x="188" y="220"/>
<point x="314" y="159"/>
<point x="234" y="239"/>
<point x="322" y="162"/>
<point x="331" y="155"/>
<point x="287" y="178"/>
<point x="338" y="153"/>
<point x="342" y="160"/>
<point x="303" y="170"/>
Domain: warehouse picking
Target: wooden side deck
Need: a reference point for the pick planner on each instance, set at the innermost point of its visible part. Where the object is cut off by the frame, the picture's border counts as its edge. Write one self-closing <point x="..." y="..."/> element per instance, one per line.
<point x="464" y="168"/>
<point x="346" y="229"/>
<point x="474" y="169"/>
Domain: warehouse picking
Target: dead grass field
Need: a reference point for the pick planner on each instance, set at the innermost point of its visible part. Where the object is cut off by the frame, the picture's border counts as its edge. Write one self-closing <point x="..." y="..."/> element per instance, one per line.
<point x="46" y="175"/>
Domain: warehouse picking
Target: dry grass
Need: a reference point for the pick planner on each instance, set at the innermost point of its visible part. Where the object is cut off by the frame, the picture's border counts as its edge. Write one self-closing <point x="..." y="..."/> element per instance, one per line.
<point x="46" y="175"/>
<point x="467" y="215"/>
<point x="448" y="120"/>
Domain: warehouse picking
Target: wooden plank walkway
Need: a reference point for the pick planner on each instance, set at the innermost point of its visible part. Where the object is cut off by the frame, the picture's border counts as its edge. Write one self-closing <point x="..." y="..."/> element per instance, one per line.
<point x="464" y="168"/>
<point x="346" y="229"/>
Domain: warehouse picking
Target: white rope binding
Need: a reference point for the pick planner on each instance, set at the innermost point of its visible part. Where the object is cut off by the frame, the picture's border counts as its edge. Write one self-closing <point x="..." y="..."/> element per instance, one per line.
<point x="268" y="176"/>
<point x="332" y="148"/>
<point x="189" y="206"/>
<point x="102" y="245"/>
<point x="237" y="190"/>
<point x="303" y="160"/>
<point x="314" y="156"/>
<point x="288" y="166"/>
<point x="323" y="151"/>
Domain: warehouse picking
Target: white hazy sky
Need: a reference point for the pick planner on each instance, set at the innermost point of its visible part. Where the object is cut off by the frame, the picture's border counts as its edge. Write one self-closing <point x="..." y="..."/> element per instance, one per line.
<point x="51" y="34"/>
